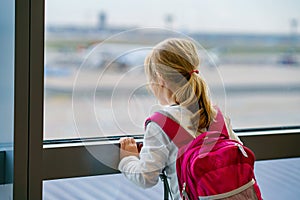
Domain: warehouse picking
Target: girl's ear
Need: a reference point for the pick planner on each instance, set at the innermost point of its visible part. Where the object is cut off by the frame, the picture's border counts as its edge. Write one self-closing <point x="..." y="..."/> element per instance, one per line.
<point x="161" y="82"/>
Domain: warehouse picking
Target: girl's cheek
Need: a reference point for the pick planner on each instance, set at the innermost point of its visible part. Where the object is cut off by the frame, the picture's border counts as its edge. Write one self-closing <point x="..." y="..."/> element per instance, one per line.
<point x="158" y="93"/>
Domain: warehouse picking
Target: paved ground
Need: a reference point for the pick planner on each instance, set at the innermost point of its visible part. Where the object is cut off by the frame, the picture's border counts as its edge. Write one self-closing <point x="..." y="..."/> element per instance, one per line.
<point x="114" y="104"/>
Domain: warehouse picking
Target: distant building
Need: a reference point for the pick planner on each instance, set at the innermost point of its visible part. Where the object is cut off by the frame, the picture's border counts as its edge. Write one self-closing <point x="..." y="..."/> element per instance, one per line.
<point x="102" y="22"/>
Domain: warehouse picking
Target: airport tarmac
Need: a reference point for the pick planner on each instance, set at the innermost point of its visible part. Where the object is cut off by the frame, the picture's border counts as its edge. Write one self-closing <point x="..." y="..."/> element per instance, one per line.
<point x="110" y="103"/>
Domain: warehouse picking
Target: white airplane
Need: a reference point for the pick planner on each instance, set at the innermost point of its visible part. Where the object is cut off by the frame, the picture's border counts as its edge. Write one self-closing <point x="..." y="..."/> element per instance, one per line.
<point x="115" y="56"/>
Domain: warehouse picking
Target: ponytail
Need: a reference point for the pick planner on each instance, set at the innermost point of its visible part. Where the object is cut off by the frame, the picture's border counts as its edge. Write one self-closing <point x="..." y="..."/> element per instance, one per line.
<point x="194" y="95"/>
<point x="206" y="112"/>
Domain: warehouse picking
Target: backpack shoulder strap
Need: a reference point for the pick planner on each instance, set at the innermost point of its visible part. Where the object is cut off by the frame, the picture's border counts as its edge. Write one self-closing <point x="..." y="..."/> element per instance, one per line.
<point x="178" y="134"/>
<point x="175" y="132"/>
<point x="219" y="124"/>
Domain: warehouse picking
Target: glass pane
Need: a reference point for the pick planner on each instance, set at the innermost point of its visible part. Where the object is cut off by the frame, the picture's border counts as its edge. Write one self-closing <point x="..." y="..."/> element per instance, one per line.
<point x="98" y="187"/>
<point x="7" y="23"/>
<point x="277" y="179"/>
<point x="94" y="80"/>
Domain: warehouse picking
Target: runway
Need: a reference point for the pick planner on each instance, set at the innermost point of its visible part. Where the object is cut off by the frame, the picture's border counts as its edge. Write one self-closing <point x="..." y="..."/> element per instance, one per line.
<point x="106" y="104"/>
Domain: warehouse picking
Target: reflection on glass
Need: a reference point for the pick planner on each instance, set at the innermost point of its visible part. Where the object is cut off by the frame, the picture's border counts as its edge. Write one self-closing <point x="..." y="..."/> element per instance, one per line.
<point x="7" y="97"/>
<point x="99" y="187"/>
<point x="94" y="80"/>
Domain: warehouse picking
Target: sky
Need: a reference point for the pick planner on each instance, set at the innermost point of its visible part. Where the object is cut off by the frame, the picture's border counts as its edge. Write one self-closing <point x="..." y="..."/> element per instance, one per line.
<point x="255" y="16"/>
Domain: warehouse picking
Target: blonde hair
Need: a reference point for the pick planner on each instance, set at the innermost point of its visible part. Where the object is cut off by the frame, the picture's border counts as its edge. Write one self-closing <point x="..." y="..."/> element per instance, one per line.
<point x="174" y="59"/>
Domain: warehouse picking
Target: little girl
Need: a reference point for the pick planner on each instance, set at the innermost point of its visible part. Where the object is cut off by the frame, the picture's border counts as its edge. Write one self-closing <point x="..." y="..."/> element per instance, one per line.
<point x="171" y="70"/>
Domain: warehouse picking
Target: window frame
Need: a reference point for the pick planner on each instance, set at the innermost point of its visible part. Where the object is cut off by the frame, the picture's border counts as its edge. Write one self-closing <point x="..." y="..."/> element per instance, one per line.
<point x="35" y="161"/>
<point x="67" y="160"/>
<point x="28" y="107"/>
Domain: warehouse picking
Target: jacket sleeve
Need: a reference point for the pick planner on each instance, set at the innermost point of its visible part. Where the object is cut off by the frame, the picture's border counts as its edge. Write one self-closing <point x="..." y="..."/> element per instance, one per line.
<point x="144" y="171"/>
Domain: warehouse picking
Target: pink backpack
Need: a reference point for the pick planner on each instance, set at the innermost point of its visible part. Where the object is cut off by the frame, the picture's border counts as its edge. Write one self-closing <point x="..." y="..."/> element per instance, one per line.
<point x="211" y="166"/>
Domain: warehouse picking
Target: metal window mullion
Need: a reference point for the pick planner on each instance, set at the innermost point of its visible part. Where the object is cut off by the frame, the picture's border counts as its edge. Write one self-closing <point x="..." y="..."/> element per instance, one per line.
<point x="36" y="94"/>
<point x="21" y="100"/>
<point x="28" y="117"/>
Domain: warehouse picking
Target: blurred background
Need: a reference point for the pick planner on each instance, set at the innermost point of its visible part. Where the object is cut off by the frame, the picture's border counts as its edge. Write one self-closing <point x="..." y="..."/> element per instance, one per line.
<point x="94" y="51"/>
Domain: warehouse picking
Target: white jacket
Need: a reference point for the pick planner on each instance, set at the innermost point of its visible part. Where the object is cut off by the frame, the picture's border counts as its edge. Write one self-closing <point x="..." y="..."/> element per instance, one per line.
<point x="159" y="152"/>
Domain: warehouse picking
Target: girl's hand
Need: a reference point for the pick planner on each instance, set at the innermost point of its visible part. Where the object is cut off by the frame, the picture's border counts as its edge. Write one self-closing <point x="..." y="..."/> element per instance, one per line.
<point x="128" y="147"/>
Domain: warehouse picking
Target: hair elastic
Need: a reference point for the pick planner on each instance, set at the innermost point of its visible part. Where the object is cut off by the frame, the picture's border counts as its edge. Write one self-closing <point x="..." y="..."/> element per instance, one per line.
<point x="194" y="71"/>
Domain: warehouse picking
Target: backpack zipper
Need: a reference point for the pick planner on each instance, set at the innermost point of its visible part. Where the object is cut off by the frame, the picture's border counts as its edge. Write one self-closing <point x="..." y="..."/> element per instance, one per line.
<point x="184" y="193"/>
<point x="242" y="150"/>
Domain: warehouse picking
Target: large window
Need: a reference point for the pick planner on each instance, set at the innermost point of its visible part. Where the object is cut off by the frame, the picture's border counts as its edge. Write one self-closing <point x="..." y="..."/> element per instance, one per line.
<point x="79" y="83"/>
<point x="95" y="88"/>
<point x="94" y="80"/>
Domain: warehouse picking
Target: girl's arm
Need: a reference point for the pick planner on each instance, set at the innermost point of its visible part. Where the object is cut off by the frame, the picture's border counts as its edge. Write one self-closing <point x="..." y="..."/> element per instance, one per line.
<point x="144" y="170"/>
